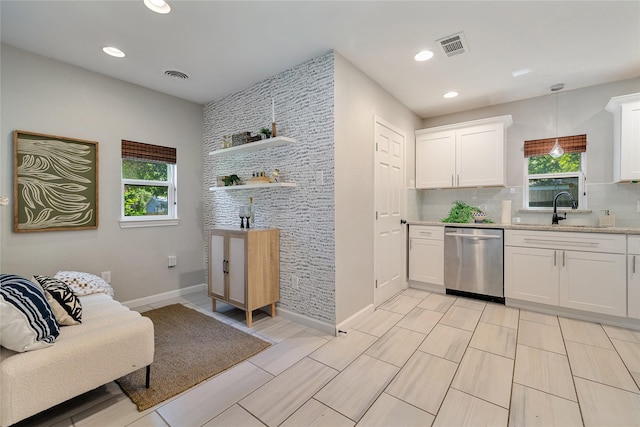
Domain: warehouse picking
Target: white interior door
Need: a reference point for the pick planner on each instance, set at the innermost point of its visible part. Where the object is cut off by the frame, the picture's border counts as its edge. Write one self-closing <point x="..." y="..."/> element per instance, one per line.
<point x="390" y="240"/>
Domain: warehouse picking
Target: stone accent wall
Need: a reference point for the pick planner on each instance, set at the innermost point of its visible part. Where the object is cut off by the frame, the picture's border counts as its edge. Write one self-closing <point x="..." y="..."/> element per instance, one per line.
<point x="304" y="110"/>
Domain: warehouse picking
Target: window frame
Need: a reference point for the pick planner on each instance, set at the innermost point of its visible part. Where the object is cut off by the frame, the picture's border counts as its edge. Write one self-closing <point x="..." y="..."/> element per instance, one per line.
<point x="172" y="203"/>
<point x="581" y="175"/>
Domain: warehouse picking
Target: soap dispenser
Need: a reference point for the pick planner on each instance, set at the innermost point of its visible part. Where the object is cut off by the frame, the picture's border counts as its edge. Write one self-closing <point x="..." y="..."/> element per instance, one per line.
<point x="607" y="220"/>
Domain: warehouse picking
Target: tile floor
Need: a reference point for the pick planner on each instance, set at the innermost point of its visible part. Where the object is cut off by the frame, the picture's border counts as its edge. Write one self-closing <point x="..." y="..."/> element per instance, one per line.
<point x="421" y="359"/>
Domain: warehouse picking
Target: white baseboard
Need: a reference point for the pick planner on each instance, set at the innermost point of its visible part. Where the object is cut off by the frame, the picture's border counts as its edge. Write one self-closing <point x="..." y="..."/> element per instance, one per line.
<point x="343" y="326"/>
<point x="165" y="295"/>
<point x="306" y="321"/>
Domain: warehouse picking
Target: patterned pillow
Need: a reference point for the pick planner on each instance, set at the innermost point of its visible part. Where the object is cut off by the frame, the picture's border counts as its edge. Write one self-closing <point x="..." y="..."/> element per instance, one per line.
<point x="26" y="320"/>
<point x="84" y="283"/>
<point x="65" y="304"/>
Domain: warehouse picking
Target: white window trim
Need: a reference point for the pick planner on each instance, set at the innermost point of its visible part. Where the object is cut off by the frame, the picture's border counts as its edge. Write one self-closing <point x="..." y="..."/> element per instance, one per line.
<point x="152" y="220"/>
<point x="582" y="197"/>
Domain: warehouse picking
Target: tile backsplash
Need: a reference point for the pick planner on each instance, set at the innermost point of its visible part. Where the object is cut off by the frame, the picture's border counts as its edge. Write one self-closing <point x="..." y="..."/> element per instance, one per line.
<point x="620" y="200"/>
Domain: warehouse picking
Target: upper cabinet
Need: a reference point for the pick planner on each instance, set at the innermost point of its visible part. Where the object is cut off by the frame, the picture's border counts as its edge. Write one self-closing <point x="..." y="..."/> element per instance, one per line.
<point x="469" y="154"/>
<point x="626" y="137"/>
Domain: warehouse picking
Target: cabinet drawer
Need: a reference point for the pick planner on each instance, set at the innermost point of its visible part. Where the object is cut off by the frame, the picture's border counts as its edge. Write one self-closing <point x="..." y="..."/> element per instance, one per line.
<point x="634" y="245"/>
<point x="586" y="242"/>
<point x="426" y="232"/>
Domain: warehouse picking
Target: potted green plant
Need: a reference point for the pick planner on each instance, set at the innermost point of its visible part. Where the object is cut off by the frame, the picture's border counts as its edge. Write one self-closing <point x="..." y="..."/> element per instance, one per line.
<point x="266" y="133"/>
<point x="462" y="213"/>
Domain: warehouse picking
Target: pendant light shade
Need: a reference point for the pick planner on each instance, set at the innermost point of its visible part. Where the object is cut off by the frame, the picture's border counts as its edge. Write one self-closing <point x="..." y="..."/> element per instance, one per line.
<point x="556" y="151"/>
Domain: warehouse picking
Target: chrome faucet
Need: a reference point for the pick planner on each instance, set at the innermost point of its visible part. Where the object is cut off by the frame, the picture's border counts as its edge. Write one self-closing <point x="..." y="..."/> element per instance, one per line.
<point x="557" y="218"/>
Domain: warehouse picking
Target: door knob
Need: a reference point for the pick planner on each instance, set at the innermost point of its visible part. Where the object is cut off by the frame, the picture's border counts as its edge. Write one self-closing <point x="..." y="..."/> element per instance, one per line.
<point x="403" y="221"/>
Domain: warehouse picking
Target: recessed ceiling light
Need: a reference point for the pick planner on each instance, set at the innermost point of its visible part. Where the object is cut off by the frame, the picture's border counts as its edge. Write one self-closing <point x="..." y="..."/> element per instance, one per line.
<point x="522" y="72"/>
<point x="113" y="51"/>
<point x="451" y="94"/>
<point x="423" y="55"/>
<point x="158" y="6"/>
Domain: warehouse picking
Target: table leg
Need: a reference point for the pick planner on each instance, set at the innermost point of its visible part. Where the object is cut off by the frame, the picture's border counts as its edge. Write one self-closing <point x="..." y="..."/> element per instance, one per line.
<point x="273" y="309"/>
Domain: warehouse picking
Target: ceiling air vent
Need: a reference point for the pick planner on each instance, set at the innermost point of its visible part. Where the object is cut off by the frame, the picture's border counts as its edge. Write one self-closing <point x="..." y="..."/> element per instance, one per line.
<point x="454" y="44"/>
<point x="176" y="74"/>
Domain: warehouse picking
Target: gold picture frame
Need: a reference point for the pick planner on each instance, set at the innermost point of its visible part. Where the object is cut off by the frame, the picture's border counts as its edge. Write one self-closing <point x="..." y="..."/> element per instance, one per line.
<point x="55" y="183"/>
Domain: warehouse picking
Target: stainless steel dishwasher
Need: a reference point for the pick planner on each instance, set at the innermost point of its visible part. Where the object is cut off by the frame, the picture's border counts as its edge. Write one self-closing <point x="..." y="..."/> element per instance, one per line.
<point x="473" y="262"/>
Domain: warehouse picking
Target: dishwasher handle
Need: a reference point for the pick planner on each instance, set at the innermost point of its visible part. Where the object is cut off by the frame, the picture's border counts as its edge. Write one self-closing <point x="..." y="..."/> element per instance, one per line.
<point x="474" y="236"/>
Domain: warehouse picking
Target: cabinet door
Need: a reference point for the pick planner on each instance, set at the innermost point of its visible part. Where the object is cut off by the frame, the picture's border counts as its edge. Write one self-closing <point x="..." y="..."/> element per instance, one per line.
<point x="480" y="156"/>
<point x="633" y="292"/>
<point x="435" y="159"/>
<point x="426" y="261"/>
<point x="629" y="145"/>
<point x="531" y="274"/>
<point x="237" y="269"/>
<point x="594" y="282"/>
<point x="217" y="264"/>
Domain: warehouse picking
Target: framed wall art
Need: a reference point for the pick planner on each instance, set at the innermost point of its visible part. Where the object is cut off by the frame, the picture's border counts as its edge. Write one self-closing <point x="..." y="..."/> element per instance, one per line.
<point x="55" y="183"/>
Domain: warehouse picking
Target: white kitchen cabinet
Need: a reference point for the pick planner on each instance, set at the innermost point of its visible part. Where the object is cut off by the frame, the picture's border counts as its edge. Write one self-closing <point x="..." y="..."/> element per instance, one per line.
<point x="594" y="282"/>
<point x="531" y="274"/>
<point x="469" y="154"/>
<point x="426" y="254"/>
<point x="244" y="268"/>
<point x="584" y="271"/>
<point x="633" y="277"/>
<point x="626" y="134"/>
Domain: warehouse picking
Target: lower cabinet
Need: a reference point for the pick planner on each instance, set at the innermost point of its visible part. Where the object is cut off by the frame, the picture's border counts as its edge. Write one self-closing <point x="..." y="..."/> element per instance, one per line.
<point x="426" y="254"/>
<point x="633" y="277"/>
<point x="244" y="268"/>
<point x="547" y="269"/>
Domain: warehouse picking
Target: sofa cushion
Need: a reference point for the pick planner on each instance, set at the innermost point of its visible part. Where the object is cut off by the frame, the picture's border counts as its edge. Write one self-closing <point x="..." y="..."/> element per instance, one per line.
<point x="65" y="304"/>
<point x="26" y="320"/>
<point x="84" y="283"/>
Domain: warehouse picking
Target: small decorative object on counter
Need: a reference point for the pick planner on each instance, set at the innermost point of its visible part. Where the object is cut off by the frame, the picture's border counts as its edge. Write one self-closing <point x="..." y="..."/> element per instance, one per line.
<point x="250" y="219"/>
<point x="607" y="220"/>
<point x="226" y="143"/>
<point x="244" y="212"/>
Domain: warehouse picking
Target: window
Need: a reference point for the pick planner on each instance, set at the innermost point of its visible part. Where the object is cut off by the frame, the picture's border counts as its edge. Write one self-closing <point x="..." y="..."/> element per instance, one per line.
<point x="546" y="176"/>
<point x="148" y="183"/>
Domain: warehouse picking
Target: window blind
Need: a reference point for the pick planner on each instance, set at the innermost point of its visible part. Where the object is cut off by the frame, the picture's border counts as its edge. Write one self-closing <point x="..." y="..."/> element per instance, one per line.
<point x="155" y="153"/>
<point x="570" y="144"/>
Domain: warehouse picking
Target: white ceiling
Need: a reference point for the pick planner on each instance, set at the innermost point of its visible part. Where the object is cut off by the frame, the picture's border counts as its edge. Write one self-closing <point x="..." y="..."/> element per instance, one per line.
<point x="226" y="46"/>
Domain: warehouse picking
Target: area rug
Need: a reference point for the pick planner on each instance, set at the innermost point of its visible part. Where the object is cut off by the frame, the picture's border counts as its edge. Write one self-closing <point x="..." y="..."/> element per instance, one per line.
<point x="190" y="347"/>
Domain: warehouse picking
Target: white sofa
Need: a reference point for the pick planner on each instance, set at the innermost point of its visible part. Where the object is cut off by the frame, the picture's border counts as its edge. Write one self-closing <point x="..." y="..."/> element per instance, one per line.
<point x="111" y="342"/>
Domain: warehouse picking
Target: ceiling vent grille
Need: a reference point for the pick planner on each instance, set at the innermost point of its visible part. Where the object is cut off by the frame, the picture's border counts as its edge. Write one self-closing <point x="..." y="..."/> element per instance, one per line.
<point x="455" y="44"/>
<point x="176" y="74"/>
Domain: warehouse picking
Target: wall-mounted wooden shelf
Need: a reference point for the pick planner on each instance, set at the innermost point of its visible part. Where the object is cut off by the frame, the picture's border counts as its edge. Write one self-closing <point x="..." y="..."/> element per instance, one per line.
<point x="253" y="146"/>
<point x="252" y="186"/>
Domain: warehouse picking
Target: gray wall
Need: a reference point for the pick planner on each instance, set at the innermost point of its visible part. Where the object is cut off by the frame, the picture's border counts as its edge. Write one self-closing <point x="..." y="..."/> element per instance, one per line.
<point x="47" y="96"/>
<point x="580" y="111"/>
<point x="304" y="102"/>
<point x="358" y="100"/>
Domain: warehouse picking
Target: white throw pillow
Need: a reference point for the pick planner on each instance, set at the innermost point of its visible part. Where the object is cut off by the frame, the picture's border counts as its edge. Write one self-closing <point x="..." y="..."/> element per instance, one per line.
<point x="84" y="283"/>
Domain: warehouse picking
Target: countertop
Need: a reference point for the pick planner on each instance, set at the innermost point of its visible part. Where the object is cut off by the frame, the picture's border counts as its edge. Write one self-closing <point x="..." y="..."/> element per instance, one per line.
<point x="537" y="227"/>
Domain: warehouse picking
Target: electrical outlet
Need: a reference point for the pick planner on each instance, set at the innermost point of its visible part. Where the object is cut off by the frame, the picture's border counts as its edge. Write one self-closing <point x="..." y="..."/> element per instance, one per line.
<point x="172" y="261"/>
<point x="319" y="178"/>
<point x="106" y="276"/>
<point x="295" y="282"/>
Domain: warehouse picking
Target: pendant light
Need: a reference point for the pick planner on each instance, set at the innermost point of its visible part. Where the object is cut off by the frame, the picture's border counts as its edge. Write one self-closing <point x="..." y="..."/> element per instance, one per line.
<point x="557" y="150"/>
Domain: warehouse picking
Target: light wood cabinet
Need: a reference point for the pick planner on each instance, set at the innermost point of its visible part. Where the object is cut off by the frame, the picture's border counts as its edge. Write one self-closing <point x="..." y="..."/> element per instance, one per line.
<point x="244" y="268"/>
<point x="633" y="277"/>
<point x="469" y="154"/>
<point x="426" y="254"/>
<point x="626" y="134"/>
<point x="582" y="271"/>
